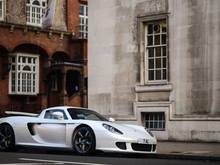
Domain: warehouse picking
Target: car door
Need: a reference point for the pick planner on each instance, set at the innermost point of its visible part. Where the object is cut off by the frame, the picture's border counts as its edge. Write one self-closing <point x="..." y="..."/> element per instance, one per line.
<point x="52" y="130"/>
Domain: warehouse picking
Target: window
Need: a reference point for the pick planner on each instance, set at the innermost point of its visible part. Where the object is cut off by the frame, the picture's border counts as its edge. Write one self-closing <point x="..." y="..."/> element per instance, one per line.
<point x="35" y="10"/>
<point x="83" y="15"/>
<point x="1" y="10"/>
<point x="154" y="120"/>
<point x="24" y="74"/>
<point x="82" y="114"/>
<point x="55" y="114"/>
<point x="156" y="59"/>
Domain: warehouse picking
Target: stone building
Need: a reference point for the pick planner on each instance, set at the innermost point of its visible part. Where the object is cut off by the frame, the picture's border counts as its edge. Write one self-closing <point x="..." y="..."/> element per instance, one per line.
<point x="43" y="66"/>
<point x="156" y="63"/>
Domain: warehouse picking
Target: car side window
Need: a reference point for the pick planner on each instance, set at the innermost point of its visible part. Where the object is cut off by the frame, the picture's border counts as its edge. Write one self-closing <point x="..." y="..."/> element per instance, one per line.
<point x="56" y="114"/>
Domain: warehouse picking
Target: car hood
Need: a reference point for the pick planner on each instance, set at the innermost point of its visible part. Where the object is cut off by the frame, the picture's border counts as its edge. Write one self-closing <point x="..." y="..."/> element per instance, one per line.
<point x="132" y="131"/>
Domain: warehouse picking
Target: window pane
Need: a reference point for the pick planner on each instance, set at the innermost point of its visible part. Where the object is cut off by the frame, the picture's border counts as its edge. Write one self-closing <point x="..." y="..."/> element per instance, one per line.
<point x="147" y="125"/>
<point x="150" y="29"/>
<point x="151" y="74"/>
<point x="163" y="39"/>
<point x="27" y="68"/>
<point x="164" y="62"/>
<point x="23" y="59"/>
<point x="158" y="63"/>
<point x="164" y="74"/>
<point x="29" y="60"/>
<point x="81" y="10"/>
<point x="36" y="3"/>
<point x="150" y="40"/>
<point x="158" y="51"/>
<point x="151" y="63"/>
<point x="164" y="50"/>
<point x="164" y="29"/>
<point x="151" y="52"/>
<point x="157" y="40"/>
<point x="158" y="74"/>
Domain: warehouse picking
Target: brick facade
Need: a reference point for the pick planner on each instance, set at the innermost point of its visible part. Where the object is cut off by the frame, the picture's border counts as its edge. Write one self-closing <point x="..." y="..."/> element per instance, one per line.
<point x="59" y="52"/>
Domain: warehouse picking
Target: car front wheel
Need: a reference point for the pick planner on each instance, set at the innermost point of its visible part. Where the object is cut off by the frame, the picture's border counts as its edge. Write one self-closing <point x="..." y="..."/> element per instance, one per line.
<point x="83" y="140"/>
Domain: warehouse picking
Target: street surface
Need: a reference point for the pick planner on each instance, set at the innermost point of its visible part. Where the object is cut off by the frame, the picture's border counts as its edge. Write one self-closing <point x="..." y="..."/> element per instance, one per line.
<point x="35" y="157"/>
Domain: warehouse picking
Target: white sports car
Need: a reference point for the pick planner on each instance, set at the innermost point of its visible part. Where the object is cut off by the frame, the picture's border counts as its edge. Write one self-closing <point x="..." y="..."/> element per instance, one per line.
<point x="77" y="129"/>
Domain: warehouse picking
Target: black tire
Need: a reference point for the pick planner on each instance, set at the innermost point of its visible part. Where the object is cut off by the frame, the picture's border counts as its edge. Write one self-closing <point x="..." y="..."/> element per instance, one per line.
<point x="84" y="141"/>
<point x="7" y="138"/>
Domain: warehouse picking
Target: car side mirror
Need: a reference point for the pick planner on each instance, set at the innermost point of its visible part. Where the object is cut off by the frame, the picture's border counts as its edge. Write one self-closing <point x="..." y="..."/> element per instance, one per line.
<point x="111" y="119"/>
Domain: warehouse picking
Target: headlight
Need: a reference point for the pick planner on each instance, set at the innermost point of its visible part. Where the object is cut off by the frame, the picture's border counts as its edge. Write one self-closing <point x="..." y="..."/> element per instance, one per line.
<point x="149" y="132"/>
<point x="112" y="129"/>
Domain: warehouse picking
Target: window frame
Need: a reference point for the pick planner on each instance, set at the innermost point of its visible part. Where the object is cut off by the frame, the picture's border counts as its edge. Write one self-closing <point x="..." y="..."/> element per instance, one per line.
<point x="2" y="10"/>
<point x="153" y="121"/>
<point x="83" y="18"/>
<point x="31" y="8"/>
<point x="157" y="51"/>
<point x="24" y="74"/>
<point x="142" y="25"/>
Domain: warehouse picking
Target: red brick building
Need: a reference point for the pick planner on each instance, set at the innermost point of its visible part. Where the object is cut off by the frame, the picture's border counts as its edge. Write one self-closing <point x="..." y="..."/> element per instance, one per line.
<point x="42" y="67"/>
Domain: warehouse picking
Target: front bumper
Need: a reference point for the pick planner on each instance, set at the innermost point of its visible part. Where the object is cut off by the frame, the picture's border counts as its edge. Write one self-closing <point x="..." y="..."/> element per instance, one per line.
<point x="127" y="145"/>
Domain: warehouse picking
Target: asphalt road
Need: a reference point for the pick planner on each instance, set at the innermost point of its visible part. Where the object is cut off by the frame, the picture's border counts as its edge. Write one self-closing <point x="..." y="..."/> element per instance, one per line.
<point x="36" y="157"/>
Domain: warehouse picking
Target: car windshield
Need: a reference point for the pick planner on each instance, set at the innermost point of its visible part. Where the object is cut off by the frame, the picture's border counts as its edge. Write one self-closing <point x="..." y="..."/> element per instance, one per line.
<point x="82" y="114"/>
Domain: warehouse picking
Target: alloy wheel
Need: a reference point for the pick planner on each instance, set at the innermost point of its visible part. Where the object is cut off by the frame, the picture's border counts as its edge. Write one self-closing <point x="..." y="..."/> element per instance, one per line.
<point x="83" y="140"/>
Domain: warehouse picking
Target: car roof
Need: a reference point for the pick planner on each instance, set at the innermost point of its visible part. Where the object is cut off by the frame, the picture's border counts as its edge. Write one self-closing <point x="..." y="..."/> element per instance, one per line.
<point x="66" y="107"/>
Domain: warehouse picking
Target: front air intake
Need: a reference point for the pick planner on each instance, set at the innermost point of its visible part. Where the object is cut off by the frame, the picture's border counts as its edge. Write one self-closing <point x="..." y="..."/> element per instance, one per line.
<point x="121" y="145"/>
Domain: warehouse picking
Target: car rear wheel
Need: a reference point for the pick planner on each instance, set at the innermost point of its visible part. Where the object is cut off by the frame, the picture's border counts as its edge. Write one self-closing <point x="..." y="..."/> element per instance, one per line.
<point x="7" y="139"/>
<point x="84" y="140"/>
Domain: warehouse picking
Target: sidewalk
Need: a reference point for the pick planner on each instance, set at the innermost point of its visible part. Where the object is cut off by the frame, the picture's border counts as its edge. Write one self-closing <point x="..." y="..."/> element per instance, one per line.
<point x="189" y="150"/>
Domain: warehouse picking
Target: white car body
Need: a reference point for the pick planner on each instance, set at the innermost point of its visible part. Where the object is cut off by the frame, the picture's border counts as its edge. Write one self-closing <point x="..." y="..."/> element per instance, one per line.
<point x="43" y="132"/>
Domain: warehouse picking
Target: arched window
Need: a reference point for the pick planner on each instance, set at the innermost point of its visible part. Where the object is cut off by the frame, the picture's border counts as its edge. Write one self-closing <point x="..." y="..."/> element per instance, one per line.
<point x="35" y="10"/>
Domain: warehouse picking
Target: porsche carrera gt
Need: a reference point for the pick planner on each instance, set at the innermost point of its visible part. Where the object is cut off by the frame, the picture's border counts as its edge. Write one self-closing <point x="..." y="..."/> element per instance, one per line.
<point x="78" y="129"/>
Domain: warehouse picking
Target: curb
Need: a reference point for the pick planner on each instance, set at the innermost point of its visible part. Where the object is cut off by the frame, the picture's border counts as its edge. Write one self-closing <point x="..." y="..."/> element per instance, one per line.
<point x="185" y="157"/>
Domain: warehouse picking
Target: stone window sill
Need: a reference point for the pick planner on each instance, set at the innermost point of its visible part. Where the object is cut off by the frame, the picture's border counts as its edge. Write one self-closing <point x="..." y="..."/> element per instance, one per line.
<point x="154" y="88"/>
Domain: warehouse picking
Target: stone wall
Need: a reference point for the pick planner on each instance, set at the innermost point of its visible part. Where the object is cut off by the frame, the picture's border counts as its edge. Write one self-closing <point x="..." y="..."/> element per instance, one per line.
<point x="191" y="97"/>
<point x="194" y="56"/>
